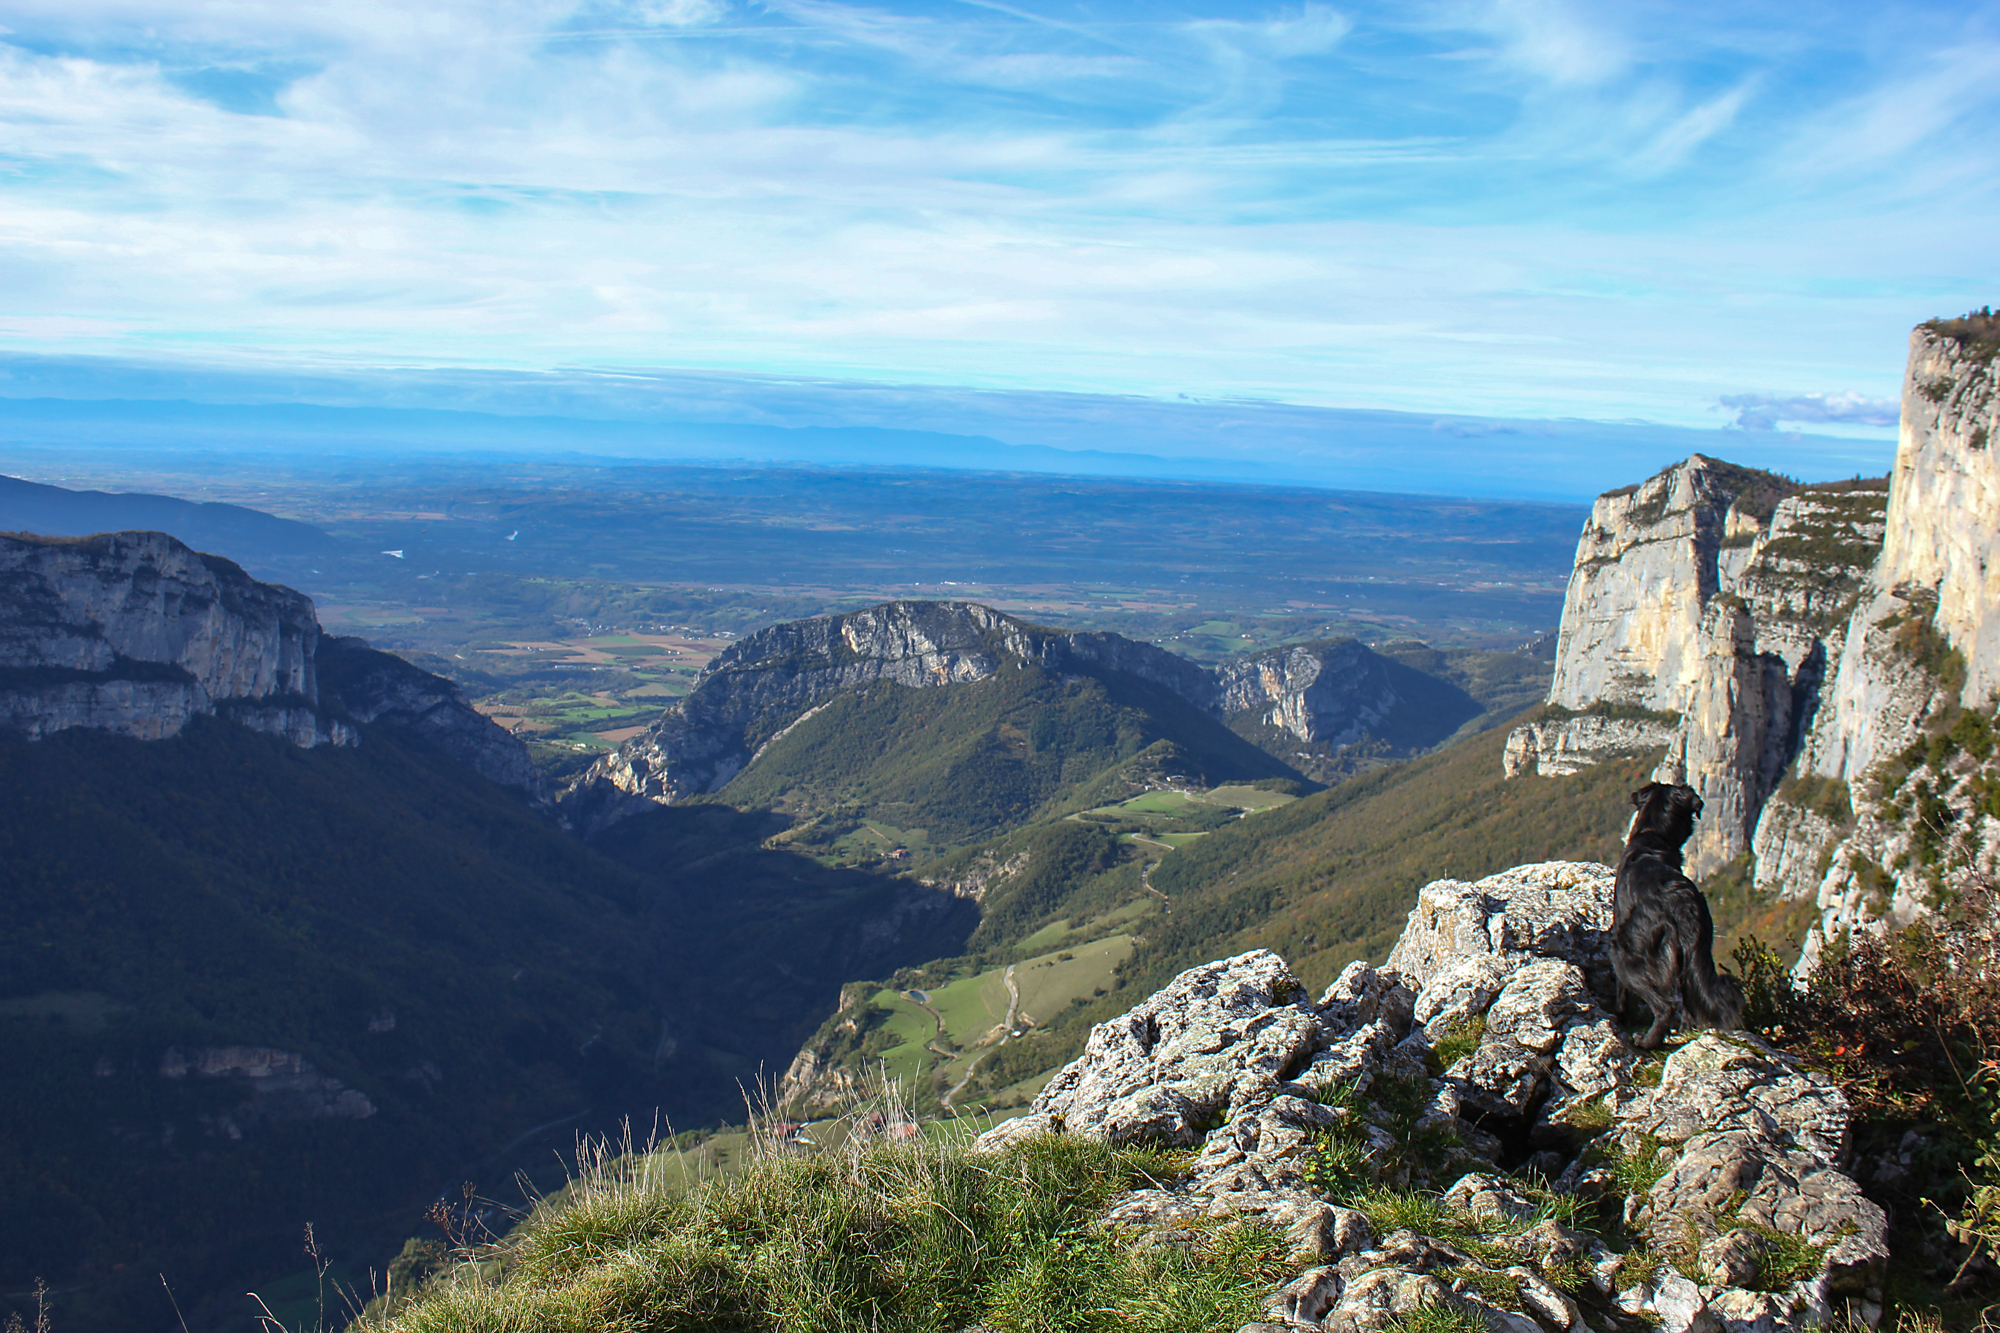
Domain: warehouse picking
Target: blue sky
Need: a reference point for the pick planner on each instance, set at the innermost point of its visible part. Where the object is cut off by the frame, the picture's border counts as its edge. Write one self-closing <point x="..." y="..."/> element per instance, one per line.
<point x="1676" y="213"/>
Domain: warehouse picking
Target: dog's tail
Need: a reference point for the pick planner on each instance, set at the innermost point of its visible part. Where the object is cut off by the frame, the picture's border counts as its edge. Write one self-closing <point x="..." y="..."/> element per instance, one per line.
<point x="1713" y="999"/>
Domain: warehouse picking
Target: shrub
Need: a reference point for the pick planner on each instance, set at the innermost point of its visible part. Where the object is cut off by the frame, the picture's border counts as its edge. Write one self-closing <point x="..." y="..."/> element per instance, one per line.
<point x="1909" y="1026"/>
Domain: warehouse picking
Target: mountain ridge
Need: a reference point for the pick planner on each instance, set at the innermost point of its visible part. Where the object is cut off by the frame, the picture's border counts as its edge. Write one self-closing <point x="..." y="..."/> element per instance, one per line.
<point x="1331" y="693"/>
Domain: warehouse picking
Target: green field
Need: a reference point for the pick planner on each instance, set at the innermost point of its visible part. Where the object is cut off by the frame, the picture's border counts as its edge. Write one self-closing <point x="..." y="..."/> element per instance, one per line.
<point x="973" y="1010"/>
<point x="1055" y="932"/>
<point x="1167" y="820"/>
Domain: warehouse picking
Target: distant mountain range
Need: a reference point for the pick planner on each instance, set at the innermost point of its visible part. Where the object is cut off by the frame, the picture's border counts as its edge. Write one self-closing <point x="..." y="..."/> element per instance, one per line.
<point x="238" y="532"/>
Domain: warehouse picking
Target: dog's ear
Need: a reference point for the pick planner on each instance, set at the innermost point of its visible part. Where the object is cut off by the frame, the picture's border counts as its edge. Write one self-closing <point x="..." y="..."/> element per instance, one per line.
<point x="1694" y="808"/>
<point x="1639" y="796"/>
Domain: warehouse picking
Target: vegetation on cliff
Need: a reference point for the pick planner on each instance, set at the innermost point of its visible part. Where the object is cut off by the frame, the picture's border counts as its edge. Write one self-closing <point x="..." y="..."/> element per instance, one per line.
<point x="411" y="932"/>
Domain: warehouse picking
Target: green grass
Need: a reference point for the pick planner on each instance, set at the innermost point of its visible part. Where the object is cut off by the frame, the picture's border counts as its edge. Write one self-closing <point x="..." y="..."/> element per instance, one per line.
<point x="972" y="1007"/>
<point x="1439" y="1317"/>
<point x="1250" y="799"/>
<point x="1157" y="802"/>
<point x="1057" y="931"/>
<point x="1454" y="1044"/>
<point x="922" y="1238"/>
<point x="1047" y="984"/>
<point x="1637" y="1173"/>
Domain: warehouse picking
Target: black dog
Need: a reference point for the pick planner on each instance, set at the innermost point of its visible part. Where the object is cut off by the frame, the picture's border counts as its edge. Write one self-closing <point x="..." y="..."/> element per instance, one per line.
<point x="1661" y="933"/>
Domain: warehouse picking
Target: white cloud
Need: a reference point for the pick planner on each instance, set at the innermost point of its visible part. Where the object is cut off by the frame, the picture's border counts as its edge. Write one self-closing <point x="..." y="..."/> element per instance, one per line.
<point x="1555" y="41"/>
<point x="1288" y="204"/>
<point x="681" y="13"/>
<point x="1765" y="411"/>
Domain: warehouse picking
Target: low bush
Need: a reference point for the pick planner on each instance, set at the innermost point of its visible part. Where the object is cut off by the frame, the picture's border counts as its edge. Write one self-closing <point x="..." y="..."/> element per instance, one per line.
<point x="1909" y="1025"/>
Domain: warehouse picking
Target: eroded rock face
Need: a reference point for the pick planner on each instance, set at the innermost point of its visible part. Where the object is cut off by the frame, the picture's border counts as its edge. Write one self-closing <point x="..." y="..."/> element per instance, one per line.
<point x="134" y="633"/>
<point x="1944" y="507"/>
<point x="373" y="686"/>
<point x="283" y="1085"/>
<point x="1786" y="627"/>
<point x="1484" y="1036"/>
<point x="1558" y="747"/>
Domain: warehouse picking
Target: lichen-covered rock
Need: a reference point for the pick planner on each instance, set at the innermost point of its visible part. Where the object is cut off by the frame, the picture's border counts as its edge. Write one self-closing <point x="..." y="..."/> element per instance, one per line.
<point x="1218" y="1039"/>
<point x="1554" y="909"/>
<point x="1231" y="1057"/>
<point x="1717" y="1083"/>
<point x="1756" y="1142"/>
<point x="1526" y="1023"/>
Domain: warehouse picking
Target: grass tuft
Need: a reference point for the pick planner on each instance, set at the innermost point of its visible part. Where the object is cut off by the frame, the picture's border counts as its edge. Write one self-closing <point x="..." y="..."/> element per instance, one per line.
<point x="1454" y="1044"/>
<point x="890" y="1238"/>
<point x="1439" y="1317"/>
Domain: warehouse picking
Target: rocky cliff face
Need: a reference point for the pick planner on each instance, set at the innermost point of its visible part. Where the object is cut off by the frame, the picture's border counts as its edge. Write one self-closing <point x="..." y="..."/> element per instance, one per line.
<point x="1333" y="693"/>
<point x="1648" y="563"/>
<point x="1780" y="638"/>
<point x="372" y="686"/>
<point x="1944" y="512"/>
<point x="1481" y="1066"/>
<point x="135" y="633"/>
<point x="1329" y="693"/>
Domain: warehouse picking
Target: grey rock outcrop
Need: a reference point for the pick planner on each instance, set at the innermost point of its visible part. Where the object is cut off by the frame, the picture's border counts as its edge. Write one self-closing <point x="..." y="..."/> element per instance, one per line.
<point x="1330" y="693"/>
<point x="132" y="632"/>
<point x="1555" y="747"/>
<point x="283" y="1085"/>
<point x="1295" y="1108"/>
<point x="1944" y="512"/>
<point x="1704" y="609"/>
<point x="1797" y="635"/>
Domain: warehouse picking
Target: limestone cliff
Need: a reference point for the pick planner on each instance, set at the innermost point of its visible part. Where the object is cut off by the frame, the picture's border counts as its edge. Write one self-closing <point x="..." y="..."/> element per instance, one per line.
<point x="1330" y="693"/>
<point x="135" y="633"/>
<point x="1944" y="512"/>
<point x="1790" y="644"/>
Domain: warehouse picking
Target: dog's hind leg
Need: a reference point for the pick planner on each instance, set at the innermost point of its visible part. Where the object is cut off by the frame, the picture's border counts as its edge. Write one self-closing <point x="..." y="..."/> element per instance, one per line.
<point x="1658" y="989"/>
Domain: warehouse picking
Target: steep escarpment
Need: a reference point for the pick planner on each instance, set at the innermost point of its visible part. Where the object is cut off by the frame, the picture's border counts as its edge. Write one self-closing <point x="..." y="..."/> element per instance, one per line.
<point x="135" y="633"/>
<point x="1944" y="519"/>
<point x="1328" y="694"/>
<point x="1807" y="652"/>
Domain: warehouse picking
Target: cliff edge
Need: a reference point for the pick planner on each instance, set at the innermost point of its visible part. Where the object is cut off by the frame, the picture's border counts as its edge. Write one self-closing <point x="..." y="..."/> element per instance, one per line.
<point x="135" y="633"/>
<point x="1805" y="653"/>
<point x="1418" y="1132"/>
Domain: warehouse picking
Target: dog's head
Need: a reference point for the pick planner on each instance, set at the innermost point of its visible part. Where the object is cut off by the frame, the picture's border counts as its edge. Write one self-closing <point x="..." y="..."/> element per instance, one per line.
<point x="1667" y="810"/>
